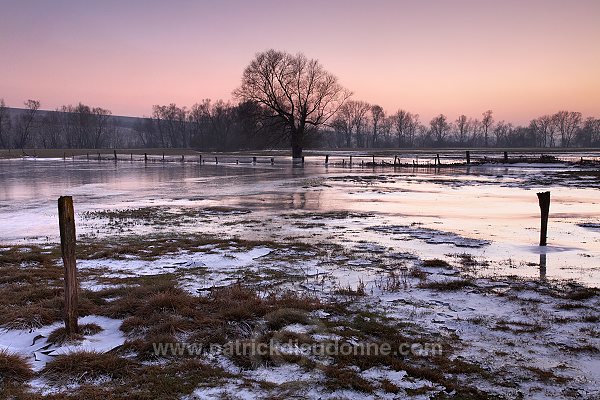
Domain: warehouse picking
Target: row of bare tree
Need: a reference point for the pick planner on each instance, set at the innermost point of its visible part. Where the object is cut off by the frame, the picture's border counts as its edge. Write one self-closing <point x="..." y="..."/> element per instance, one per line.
<point x="360" y="124"/>
<point x="223" y="126"/>
<point x="79" y="126"/>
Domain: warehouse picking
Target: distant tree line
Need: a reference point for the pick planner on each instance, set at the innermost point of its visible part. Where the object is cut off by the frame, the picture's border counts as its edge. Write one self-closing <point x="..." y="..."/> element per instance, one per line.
<point x="223" y="126"/>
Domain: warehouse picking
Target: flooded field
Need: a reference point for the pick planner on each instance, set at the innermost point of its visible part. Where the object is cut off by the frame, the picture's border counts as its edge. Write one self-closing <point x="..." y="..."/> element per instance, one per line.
<point x="441" y="265"/>
<point x="488" y="212"/>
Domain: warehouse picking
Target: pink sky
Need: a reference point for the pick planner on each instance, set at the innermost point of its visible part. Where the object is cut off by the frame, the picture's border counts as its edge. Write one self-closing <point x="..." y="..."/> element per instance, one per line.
<point x="521" y="59"/>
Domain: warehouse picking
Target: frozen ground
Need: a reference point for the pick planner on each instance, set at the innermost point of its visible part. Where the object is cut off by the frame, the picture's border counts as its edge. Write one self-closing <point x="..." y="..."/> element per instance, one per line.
<point x="450" y="254"/>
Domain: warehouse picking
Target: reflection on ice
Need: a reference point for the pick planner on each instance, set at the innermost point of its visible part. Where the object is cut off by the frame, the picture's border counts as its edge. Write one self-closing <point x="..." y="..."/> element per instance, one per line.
<point x="489" y="212"/>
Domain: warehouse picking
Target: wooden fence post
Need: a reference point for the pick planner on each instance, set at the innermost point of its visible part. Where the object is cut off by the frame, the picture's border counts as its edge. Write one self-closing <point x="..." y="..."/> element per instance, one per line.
<point x="199" y="158"/>
<point x="146" y="157"/>
<point x="350" y="160"/>
<point x="506" y="156"/>
<point x="254" y="160"/>
<point x="302" y="160"/>
<point x="216" y="160"/>
<point x="437" y="159"/>
<point x="182" y="158"/>
<point x="327" y="159"/>
<point x="66" y="222"/>
<point x="115" y="153"/>
<point x="544" y="200"/>
<point x="468" y="157"/>
<point x="272" y="161"/>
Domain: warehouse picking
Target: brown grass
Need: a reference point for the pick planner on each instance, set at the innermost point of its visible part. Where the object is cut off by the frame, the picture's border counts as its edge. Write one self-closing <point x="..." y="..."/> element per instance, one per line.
<point x="14" y="369"/>
<point x="450" y="285"/>
<point x="86" y="366"/>
<point x="59" y="336"/>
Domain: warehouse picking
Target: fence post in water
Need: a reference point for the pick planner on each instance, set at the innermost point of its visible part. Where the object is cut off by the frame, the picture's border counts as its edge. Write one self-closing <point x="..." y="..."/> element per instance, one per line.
<point x="64" y="156"/>
<point x="506" y="156"/>
<point x="182" y="158"/>
<point x="115" y="153"/>
<point x="302" y="160"/>
<point x="468" y="157"/>
<point x="437" y="159"/>
<point x="272" y="161"/>
<point x="544" y="200"/>
<point x="163" y="157"/>
<point x="326" y="159"/>
<point x="350" y="160"/>
<point x="146" y="157"/>
<point x="373" y="160"/>
<point x="216" y="160"/>
<point x="66" y="222"/>
<point x="98" y="156"/>
<point x="131" y="158"/>
<point x="88" y="156"/>
<point x="199" y="158"/>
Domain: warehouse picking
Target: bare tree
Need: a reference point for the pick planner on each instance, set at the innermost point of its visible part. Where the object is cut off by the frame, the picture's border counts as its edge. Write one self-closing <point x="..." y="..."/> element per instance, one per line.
<point x="101" y="118"/>
<point x="377" y="117"/>
<point x="299" y="92"/>
<point x="486" y="124"/>
<point x="5" y="125"/>
<point x="462" y="129"/>
<point x="26" y="124"/>
<point x="439" y="129"/>
<point x="502" y="132"/>
<point x="406" y="127"/>
<point x="567" y="124"/>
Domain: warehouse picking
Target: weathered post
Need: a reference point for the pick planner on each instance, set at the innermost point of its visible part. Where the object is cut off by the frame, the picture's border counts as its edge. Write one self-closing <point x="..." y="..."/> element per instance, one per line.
<point x="115" y="153"/>
<point x="131" y="157"/>
<point x="437" y="159"/>
<point x="343" y="162"/>
<point x="506" y="156"/>
<point x="468" y="157"/>
<point x="163" y="157"/>
<point x="373" y="160"/>
<point x="64" y="156"/>
<point x="88" y="156"/>
<point x="326" y="159"/>
<point x="272" y="161"/>
<point x="199" y="158"/>
<point x="182" y="158"/>
<point x="237" y="161"/>
<point x="254" y="160"/>
<point x="302" y="160"/>
<point x="98" y="156"/>
<point x="362" y="163"/>
<point x="66" y="222"/>
<point x="350" y="160"/>
<point x="544" y="200"/>
<point x="216" y="160"/>
<point x="146" y="158"/>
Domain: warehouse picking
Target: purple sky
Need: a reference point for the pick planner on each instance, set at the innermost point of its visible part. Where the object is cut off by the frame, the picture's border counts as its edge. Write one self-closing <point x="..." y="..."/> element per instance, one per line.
<point x="519" y="58"/>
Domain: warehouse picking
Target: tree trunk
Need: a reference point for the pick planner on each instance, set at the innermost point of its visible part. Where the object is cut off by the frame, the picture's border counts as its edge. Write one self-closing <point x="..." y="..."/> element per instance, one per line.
<point x="297" y="138"/>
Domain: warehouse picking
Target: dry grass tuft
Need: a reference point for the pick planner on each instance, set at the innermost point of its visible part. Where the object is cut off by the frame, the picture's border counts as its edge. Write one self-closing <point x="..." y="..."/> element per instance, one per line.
<point x="450" y="285"/>
<point x="59" y="336"/>
<point x="86" y="366"/>
<point x="14" y="369"/>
